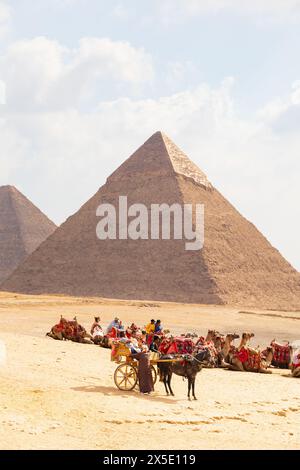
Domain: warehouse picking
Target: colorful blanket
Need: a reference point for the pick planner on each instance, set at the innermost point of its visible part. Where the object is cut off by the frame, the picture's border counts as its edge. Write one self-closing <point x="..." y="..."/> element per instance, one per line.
<point x="281" y="356"/>
<point x="177" y="345"/>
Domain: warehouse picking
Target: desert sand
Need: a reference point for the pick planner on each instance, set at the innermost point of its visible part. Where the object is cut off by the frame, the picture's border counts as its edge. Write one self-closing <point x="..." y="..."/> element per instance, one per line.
<point x="61" y="395"/>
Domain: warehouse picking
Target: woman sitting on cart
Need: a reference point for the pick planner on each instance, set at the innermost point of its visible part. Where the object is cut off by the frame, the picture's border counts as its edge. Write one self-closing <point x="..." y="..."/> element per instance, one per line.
<point x="144" y="370"/>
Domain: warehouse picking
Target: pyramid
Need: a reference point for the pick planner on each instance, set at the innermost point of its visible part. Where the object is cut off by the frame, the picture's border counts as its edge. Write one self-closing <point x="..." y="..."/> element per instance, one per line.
<point x="237" y="265"/>
<point x="23" y="227"/>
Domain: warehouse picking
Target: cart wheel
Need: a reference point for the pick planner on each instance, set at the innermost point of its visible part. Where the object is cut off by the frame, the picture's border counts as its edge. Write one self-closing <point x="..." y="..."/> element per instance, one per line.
<point x="154" y="374"/>
<point x="125" y="377"/>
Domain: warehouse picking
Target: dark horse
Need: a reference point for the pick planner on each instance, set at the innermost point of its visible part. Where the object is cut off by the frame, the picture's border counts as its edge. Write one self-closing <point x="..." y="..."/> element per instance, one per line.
<point x="188" y="368"/>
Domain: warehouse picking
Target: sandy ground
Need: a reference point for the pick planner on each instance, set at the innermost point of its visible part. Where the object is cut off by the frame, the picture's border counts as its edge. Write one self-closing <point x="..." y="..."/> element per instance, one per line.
<point x="61" y="395"/>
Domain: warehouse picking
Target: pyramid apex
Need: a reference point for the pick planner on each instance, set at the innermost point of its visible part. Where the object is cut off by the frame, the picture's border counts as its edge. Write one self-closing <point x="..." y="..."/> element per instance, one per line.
<point x="8" y="188"/>
<point x="159" y="156"/>
<point x="157" y="135"/>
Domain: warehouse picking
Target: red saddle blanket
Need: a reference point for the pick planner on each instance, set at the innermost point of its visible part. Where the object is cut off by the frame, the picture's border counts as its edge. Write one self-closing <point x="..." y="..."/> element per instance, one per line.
<point x="281" y="353"/>
<point x="177" y="346"/>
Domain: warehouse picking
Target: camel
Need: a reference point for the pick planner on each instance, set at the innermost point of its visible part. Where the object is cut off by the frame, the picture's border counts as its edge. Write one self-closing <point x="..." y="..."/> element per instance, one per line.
<point x="212" y="343"/>
<point x="226" y="354"/>
<point x="70" y="330"/>
<point x="282" y="354"/>
<point x="188" y="368"/>
<point x="57" y="331"/>
<point x="212" y="335"/>
<point x="248" y="359"/>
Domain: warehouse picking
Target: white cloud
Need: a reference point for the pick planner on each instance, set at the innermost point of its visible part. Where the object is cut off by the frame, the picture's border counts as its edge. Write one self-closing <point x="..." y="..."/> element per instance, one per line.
<point x="177" y="10"/>
<point x="2" y="92"/>
<point x="121" y="12"/>
<point x="5" y="16"/>
<point x="282" y="107"/>
<point x="42" y="73"/>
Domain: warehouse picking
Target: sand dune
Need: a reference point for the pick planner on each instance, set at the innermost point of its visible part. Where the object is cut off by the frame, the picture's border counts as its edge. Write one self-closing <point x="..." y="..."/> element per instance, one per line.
<point x="61" y="395"/>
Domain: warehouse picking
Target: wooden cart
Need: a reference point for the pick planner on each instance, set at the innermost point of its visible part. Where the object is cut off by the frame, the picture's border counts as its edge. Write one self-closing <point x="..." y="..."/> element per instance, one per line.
<point x="126" y="374"/>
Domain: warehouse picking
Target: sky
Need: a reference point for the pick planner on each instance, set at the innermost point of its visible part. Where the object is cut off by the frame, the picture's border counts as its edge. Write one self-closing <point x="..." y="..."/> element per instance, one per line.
<point x="83" y="83"/>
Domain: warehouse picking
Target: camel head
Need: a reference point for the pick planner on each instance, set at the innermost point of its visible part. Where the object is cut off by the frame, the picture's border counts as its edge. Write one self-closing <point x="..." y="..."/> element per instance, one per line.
<point x="268" y="353"/>
<point x="211" y="335"/>
<point x="232" y="336"/>
<point x="247" y="336"/>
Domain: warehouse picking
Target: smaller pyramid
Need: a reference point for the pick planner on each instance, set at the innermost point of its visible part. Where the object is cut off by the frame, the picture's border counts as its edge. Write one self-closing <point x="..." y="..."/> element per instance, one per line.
<point x="23" y="227"/>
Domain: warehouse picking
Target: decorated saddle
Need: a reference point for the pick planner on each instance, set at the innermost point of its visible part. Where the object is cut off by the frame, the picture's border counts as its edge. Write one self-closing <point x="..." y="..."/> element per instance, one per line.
<point x="281" y="356"/>
<point x="177" y="345"/>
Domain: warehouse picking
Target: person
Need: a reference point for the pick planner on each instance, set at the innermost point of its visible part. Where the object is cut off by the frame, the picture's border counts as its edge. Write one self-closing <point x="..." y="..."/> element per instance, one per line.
<point x="154" y="346"/>
<point x="114" y="324"/>
<point x="144" y="370"/>
<point x="134" y="346"/>
<point x="143" y="337"/>
<point x="96" y="331"/>
<point x="150" y="328"/>
<point x="158" y="328"/>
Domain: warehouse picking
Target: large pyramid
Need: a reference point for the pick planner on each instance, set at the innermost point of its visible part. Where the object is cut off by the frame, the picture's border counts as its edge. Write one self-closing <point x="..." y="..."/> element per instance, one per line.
<point x="236" y="266"/>
<point x="23" y="227"/>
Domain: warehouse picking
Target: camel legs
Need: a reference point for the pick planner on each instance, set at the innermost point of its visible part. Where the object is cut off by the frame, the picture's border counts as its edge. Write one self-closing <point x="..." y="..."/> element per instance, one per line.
<point x="57" y="336"/>
<point x="262" y="370"/>
<point x="236" y="365"/>
<point x="296" y="372"/>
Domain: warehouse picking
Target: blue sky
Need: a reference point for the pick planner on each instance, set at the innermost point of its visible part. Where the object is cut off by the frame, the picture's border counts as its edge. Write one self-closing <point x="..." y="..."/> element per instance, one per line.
<point x="85" y="82"/>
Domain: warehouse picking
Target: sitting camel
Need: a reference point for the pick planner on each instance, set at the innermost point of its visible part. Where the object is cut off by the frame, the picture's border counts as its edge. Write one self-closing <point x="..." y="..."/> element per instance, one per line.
<point x="247" y="359"/>
<point x="58" y="331"/>
<point x="227" y="352"/>
<point x="212" y="344"/>
<point x="70" y="330"/>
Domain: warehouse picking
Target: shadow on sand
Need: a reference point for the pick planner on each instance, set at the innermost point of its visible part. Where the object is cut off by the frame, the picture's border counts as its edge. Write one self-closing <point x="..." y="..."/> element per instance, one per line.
<point x="112" y="391"/>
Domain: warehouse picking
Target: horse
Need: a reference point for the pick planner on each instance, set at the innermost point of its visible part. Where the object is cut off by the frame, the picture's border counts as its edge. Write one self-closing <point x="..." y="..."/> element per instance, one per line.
<point x="188" y="368"/>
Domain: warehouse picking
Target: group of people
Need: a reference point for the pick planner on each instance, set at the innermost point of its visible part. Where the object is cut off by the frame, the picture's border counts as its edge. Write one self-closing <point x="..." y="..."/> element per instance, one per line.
<point x="116" y="329"/>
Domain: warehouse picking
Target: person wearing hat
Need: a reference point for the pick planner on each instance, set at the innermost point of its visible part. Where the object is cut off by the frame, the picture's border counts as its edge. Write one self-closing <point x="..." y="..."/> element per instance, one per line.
<point x="114" y="324"/>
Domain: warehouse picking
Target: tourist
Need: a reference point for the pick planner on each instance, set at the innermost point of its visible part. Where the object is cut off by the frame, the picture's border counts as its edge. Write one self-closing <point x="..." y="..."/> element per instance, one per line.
<point x="115" y="324"/>
<point x="150" y="328"/>
<point x="154" y="346"/>
<point x="158" y="328"/>
<point x="96" y="326"/>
